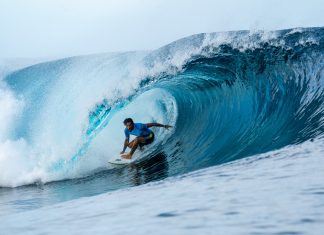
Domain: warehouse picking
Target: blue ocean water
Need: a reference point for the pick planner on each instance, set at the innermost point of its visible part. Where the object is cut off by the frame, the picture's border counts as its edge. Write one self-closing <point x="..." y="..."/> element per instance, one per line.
<point x="245" y="155"/>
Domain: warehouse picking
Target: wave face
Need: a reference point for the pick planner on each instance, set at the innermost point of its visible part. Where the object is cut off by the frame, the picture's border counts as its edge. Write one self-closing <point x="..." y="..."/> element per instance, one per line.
<point x="228" y="95"/>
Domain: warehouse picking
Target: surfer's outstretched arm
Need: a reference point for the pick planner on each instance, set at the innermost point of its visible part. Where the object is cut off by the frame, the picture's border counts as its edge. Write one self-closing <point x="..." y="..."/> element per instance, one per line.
<point x="158" y="125"/>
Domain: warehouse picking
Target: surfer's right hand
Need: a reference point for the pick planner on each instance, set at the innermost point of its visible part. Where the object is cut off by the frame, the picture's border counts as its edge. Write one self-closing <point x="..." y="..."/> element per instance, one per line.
<point x="122" y="152"/>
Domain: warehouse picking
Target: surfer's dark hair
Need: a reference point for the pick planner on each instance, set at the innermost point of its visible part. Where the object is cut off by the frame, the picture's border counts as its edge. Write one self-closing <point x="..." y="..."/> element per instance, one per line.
<point x="128" y="120"/>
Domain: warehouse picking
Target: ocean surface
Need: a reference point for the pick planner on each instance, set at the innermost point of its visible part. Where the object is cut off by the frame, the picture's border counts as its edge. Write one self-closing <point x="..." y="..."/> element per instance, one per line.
<point x="245" y="154"/>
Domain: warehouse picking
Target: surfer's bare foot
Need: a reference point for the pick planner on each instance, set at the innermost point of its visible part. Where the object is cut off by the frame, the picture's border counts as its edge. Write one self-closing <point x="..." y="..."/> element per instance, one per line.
<point x="126" y="156"/>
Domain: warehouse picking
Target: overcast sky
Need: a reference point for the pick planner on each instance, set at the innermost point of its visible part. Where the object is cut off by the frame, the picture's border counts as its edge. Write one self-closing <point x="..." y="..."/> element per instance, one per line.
<point x="45" y="28"/>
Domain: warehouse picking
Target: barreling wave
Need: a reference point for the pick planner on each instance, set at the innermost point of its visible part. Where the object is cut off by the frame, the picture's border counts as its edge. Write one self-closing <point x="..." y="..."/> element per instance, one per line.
<point x="228" y="95"/>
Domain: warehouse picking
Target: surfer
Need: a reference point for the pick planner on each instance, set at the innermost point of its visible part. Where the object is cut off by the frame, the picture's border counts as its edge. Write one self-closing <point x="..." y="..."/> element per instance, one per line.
<point x="143" y="135"/>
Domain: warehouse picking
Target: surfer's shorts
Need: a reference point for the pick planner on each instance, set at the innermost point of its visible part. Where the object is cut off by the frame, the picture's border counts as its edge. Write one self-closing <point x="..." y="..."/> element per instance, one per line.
<point x="148" y="139"/>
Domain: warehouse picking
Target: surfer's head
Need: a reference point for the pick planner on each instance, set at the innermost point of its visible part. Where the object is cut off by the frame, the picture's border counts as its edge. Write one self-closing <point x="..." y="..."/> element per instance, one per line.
<point x="128" y="122"/>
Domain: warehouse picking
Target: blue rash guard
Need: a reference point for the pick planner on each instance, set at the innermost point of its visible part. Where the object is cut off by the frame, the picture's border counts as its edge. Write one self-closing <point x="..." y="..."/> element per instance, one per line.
<point x="140" y="129"/>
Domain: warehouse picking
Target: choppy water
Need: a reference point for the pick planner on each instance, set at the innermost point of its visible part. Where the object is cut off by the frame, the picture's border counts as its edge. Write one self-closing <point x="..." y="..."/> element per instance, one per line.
<point x="280" y="192"/>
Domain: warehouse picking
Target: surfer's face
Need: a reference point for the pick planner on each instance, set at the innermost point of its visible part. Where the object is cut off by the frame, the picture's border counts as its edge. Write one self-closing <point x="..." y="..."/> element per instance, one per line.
<point x="129" y="126"/>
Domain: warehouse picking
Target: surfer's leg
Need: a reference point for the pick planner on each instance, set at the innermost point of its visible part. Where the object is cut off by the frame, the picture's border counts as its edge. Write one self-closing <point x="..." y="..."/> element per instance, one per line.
<point x="135" y="143"/>
<point x="130" y="144"/>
